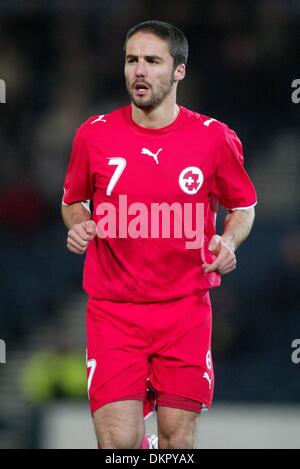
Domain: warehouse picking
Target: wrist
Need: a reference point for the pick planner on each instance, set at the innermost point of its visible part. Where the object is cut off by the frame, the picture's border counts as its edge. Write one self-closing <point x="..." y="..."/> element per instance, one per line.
<point x="74" y="215"/>
<point x="229" y="241"/>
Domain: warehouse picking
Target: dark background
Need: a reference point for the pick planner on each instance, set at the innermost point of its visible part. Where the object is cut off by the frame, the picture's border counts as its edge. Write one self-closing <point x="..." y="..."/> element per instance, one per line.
<point x="63" y="62"/>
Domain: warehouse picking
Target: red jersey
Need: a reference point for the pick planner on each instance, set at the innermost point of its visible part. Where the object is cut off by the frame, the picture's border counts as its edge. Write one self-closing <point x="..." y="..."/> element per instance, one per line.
<point x="131" y="173"/>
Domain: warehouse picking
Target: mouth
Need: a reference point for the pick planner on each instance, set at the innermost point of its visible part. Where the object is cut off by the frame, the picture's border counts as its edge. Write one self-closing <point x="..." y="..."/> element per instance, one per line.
<point x="140" y="88"/>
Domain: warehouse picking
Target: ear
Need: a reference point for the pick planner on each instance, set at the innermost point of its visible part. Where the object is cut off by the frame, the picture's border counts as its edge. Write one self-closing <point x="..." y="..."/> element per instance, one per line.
<point x="179" y="73"/>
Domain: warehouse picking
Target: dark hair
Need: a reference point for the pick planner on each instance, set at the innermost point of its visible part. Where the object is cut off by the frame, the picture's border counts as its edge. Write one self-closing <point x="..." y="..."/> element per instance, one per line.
<point x="178" y="43"/>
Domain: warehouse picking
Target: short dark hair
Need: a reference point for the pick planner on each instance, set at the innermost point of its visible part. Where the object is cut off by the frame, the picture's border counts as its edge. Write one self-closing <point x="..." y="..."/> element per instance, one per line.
<point x="178" y="43"/>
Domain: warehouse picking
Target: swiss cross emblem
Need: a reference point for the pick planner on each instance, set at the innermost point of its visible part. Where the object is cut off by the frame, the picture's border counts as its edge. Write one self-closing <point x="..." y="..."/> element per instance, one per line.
<point x="191" y="180"/>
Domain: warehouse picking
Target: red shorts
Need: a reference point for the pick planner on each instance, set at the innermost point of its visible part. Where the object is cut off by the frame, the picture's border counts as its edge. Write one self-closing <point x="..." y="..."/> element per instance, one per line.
<point x="159" y="353"/>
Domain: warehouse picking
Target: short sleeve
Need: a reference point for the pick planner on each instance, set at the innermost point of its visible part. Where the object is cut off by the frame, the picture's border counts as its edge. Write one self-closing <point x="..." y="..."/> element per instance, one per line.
<point x="232" y="185"/>
<point x="78" y="185"/>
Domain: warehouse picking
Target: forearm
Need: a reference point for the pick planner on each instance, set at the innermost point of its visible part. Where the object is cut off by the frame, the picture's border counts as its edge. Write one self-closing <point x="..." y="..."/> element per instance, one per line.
<point x="237" y="227"/>
<point x="74" y="214"/>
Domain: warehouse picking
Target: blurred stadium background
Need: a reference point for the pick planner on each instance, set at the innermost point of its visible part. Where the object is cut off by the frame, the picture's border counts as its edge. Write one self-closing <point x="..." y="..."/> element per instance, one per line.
<point x="62" y="62"/>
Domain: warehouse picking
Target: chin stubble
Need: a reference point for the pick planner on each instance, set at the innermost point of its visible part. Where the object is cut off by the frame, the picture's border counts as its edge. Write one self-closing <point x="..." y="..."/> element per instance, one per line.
<point x="156" y="99"/>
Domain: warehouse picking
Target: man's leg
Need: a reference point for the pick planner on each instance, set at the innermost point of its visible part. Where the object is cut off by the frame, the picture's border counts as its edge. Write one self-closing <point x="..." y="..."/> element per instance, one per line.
<point x="182" y="368"/>
<point x="177" y="428"/>
<point x="120" y="425"/>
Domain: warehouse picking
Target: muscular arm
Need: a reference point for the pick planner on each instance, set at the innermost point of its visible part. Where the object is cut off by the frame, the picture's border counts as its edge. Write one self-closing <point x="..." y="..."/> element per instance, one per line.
<point x="237" y="227"/>
<point x="81" y="228"/>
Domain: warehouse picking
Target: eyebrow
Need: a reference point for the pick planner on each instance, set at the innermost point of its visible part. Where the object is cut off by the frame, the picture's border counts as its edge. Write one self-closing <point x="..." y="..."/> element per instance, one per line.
<point x="151" y="57"/>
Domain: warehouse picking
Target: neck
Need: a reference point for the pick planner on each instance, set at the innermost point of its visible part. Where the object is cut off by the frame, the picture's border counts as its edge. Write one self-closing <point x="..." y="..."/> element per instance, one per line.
<point x="161" y="116"/>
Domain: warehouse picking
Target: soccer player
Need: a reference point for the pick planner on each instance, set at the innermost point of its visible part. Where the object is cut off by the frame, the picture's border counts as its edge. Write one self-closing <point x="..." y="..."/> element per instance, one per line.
<point x="155" y="173"/>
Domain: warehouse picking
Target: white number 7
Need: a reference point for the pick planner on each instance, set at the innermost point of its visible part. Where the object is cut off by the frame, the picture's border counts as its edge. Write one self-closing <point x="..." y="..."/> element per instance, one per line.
<point x="121" y="164"/>
<point x="91" y="364"/>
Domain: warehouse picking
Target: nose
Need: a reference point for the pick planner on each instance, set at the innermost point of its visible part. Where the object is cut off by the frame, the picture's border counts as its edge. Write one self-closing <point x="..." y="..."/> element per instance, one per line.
<point x="140" y="70"/>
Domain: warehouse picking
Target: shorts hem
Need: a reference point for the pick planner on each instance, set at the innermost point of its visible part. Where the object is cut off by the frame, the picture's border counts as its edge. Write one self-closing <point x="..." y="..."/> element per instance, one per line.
<point x="142" y="396"/>
<point x="198" y="401"/>
<point x="185" y="404"/>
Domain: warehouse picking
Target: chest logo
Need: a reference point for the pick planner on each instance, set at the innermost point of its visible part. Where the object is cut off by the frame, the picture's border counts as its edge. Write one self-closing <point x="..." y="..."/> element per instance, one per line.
<point x="147" y="152"/>
<point x="191" y="180"/>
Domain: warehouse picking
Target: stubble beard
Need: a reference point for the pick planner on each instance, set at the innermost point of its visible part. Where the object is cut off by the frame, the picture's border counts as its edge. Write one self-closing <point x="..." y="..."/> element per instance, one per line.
<point x="156" y="98"/>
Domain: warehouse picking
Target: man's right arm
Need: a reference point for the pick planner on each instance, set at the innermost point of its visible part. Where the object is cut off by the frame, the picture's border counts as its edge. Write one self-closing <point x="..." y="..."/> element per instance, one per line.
<point x="81" y="228"/>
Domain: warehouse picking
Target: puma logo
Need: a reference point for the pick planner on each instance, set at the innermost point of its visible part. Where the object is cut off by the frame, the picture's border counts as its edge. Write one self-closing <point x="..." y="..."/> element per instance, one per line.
<point x="99" y="119"/>
<point x="208" y="122"/>
<point x="145" y="151"/>
<point x="207" y="377"/>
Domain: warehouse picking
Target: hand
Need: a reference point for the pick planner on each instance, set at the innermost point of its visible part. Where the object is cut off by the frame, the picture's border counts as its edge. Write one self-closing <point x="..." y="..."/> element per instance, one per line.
<point x="80" y="236"/>
<point x="225" y="261"/>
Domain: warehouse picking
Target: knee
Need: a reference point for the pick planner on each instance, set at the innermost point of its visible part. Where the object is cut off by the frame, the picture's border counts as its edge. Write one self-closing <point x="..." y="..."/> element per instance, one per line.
<point x="177" y="440"/>
<point x="121" y="440"/>
<point x="181" y="442"/>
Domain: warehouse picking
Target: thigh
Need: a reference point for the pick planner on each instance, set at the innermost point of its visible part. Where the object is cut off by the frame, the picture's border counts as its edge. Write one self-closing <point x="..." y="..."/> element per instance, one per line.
<point x="177" y="427"/>
<point x="182" y="365"/>
<point x="117" y="362"/>
<point x="120" y="424"/>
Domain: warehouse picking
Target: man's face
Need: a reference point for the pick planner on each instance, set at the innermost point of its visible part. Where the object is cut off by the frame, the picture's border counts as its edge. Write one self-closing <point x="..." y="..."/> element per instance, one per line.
<point x="149" y="70"/>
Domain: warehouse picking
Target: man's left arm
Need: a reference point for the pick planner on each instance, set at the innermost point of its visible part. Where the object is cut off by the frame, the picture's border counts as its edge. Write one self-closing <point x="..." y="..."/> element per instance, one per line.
<point x="237" y="227"/>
